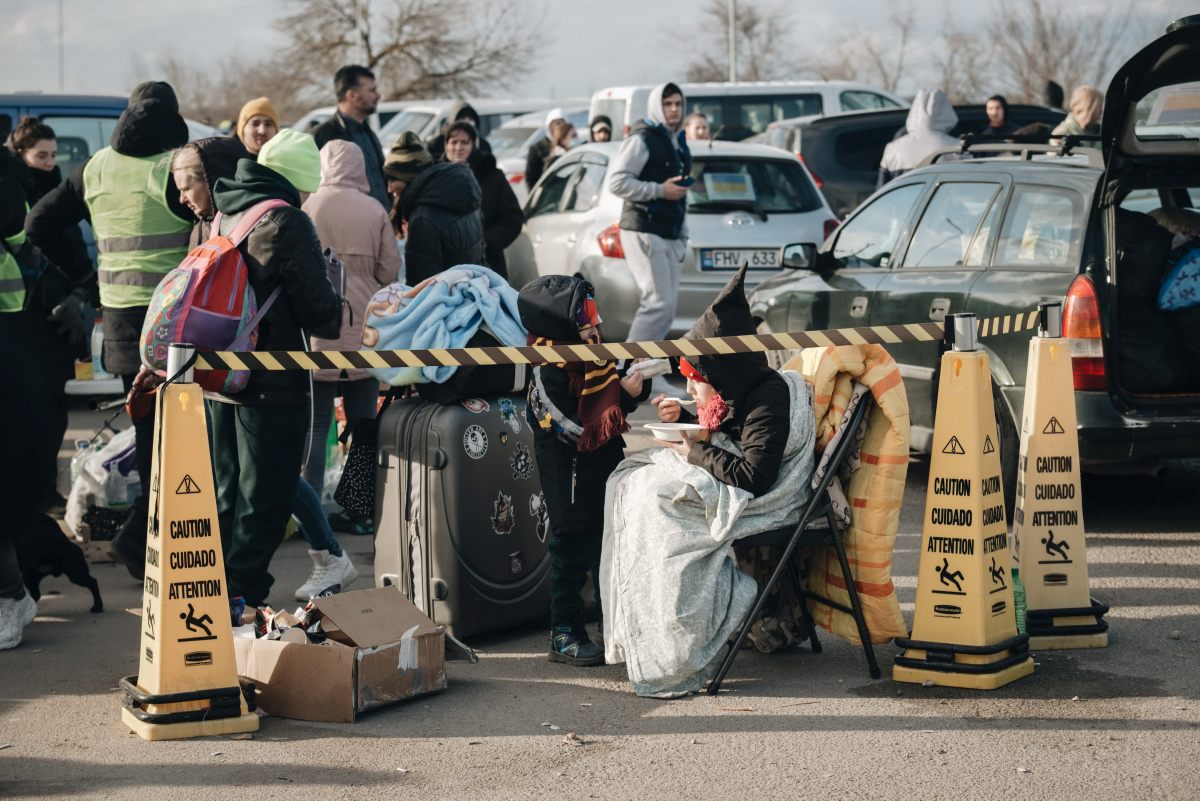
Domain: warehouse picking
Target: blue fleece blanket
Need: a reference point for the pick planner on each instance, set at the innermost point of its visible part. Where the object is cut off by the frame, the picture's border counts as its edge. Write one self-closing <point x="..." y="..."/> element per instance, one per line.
<point x="443" y="312"/>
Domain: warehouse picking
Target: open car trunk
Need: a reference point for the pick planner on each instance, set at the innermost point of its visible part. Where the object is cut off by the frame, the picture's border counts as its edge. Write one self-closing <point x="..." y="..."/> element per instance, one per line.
<point x="1151" y="205"/>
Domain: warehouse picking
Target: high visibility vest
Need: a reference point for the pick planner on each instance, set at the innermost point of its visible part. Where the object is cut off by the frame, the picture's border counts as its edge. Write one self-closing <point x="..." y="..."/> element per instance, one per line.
<point x="12" y="285"/>
<point x="138" y="238"/>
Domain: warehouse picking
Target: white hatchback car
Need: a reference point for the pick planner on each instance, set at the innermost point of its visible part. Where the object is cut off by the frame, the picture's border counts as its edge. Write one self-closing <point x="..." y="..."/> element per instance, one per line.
<point x="748" y="204"/>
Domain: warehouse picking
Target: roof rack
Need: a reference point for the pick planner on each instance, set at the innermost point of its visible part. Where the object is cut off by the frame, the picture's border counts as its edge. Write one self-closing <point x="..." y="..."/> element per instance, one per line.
<point x="1026" y="147"/>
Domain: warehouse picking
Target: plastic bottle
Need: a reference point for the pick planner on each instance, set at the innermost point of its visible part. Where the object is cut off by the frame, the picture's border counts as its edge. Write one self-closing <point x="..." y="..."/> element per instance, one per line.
<point x="1019" y="599"/>
<point x="98" y="371"/>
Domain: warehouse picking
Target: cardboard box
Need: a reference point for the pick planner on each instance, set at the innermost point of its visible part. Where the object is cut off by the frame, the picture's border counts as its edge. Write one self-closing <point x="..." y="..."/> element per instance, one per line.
<point x="395" y="653"/>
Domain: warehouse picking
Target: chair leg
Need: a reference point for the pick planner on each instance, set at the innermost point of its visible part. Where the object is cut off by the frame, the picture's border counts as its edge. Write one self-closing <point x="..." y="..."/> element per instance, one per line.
<point x="856" y="605"/>
<point x="810" y="627"/>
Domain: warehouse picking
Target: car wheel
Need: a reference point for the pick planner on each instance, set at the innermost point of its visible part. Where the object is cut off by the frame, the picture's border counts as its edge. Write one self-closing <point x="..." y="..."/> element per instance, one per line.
<point x="1010" y="450"/>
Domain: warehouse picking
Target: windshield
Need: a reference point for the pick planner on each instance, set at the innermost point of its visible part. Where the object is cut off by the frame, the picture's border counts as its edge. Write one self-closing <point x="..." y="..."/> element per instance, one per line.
<point x="509" y="140"/>
<point x="737" y="117"/>
<point x="414" y="121"/>
<point x="1169" y="112"/>
<point x="762" y="186"/>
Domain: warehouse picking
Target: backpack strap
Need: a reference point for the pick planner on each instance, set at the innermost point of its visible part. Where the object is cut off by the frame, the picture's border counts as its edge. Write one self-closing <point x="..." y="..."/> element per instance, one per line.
<point x="243" y="340"/>
<point x="250" y="218"/>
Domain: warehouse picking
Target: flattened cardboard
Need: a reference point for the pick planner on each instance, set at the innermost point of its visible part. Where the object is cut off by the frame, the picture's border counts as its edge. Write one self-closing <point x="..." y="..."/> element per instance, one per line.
<point x="373" y="617"/>
<point x="335" y="682"/>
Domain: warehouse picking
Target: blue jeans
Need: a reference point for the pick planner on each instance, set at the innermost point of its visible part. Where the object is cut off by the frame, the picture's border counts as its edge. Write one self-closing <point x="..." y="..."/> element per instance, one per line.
<point x="311" y="516"/>
<point x="359" y="399"/>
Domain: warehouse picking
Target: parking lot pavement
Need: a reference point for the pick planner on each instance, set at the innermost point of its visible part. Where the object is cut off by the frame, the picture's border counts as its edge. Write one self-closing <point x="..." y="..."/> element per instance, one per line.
<point x="1117" y="723"/>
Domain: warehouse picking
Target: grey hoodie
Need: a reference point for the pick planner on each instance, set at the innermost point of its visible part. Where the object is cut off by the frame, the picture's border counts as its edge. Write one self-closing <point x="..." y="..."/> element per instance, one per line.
<point x="627" y="166"/>
<point x="929" y="118"/>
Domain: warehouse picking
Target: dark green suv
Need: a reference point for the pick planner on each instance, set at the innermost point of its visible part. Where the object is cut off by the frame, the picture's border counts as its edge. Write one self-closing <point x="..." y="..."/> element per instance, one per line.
<point x="1099" y="226"/>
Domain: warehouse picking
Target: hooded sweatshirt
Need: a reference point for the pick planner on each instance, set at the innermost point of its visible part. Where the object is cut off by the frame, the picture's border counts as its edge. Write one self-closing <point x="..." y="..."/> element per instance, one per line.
<point x="929" y="119"/>
<point x="445" y="226"/>
<point x="219" y="156"/>
<point x="758" y="398"/>
<point x="351" y="222"/>
<point x="460" y="110"/>
<point x="283" y="250"/>
<point x="652" y="153"/>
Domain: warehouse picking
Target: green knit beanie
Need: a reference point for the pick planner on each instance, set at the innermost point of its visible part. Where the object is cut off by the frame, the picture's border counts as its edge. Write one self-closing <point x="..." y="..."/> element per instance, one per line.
<point x="293" y="155"/>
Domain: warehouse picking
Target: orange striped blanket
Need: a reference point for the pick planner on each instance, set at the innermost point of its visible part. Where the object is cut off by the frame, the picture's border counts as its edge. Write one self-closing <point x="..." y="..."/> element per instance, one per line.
<point x="876" y="489"/>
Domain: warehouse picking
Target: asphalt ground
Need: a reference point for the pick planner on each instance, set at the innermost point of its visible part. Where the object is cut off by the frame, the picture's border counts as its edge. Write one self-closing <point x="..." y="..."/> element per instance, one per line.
<point x="1115" y="723"/>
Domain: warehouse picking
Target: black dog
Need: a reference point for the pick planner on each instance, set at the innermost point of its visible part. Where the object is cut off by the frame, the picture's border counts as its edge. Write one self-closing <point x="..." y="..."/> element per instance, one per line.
<point x="43" y="550"/>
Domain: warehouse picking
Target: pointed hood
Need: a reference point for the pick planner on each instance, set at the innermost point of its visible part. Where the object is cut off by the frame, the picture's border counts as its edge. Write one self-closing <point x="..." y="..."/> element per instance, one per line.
<point x="150" y="124"/>
<point x="654" y="105"/>
<point x="461" y="110"/>
<point x="219" y="156"/>
<point x="931" y="111"/>
<point x="729" y="315"/>
<point x="342" y="164"/>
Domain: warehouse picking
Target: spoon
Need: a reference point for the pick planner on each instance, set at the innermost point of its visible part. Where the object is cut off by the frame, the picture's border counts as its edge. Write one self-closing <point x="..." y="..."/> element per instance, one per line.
<point x="681" y="401"/>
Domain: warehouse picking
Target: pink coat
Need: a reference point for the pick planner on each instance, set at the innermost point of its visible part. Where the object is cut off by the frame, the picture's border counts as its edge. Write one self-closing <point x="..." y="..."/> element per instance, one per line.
<point x="353" y="223"/>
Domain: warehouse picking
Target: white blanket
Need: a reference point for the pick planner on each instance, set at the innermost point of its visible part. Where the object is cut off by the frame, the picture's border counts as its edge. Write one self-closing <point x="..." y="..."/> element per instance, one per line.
<point x="671" y="591"/>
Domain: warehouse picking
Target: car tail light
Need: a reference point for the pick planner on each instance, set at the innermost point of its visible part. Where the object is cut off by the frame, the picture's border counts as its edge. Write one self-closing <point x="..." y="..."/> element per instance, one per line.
<point x="831" y="225"/>
<point x="1081" y="325"/>
<point x="816" y="178"/>
<point x="610" y="242"/>
<point x="516" y="178"/>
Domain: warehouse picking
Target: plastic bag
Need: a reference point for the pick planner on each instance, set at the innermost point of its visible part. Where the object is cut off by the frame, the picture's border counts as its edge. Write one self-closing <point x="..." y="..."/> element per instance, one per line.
<point x="108" y="478"/>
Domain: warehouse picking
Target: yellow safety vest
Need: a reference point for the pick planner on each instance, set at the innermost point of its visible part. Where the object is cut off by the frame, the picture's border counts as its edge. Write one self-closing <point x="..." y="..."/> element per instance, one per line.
<point x="138" y="238"/>
<point x="12" y="285"/>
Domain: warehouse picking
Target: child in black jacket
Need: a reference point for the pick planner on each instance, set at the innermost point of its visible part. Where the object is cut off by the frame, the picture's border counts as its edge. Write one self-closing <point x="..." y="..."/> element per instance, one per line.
<point x="577" y="413"/>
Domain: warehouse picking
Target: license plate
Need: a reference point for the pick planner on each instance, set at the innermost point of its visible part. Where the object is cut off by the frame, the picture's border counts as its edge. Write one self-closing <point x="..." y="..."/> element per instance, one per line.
<point x="714" y="259"/>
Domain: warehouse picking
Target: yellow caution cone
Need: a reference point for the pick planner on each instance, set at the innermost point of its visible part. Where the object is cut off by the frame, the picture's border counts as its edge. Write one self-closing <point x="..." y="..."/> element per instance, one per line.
<point x="1048" y="534"/>
<point x="964" y="627"/>
<point x="187" y="683"/>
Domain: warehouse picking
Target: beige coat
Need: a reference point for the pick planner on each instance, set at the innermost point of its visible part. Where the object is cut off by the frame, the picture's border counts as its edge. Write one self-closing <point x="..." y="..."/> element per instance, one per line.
<point x="353" y="223"/>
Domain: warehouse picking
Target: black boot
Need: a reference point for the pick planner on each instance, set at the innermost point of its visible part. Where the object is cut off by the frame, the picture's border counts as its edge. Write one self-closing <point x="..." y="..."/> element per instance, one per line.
<point x="571" y="645"/>
<point x="128" y="547"/>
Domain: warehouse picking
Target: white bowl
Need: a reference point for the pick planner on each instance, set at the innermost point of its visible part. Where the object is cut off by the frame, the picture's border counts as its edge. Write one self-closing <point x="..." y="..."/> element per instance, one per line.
<point x="671" y="432"/>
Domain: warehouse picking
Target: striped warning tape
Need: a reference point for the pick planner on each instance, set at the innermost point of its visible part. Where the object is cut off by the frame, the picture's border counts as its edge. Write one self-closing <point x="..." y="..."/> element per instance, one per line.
<point x="274" y="360"/>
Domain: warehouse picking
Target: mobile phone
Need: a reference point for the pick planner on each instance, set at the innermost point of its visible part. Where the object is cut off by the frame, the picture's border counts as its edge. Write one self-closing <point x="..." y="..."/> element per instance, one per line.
<point x="687" y="180"/>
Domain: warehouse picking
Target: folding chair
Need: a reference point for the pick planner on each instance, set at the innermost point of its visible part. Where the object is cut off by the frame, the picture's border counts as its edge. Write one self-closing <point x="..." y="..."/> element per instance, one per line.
<point x="811" y="530"/>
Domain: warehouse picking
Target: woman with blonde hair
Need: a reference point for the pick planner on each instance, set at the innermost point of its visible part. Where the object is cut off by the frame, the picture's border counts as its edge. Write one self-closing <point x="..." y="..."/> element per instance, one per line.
<point x="1086" y="106"/>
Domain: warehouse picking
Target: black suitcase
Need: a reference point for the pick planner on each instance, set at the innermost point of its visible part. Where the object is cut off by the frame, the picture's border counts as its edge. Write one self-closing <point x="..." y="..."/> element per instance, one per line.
<point x="462" y="527"/>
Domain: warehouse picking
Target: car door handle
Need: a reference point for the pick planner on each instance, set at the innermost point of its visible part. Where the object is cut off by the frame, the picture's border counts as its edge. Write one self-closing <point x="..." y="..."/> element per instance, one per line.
<point x="572" y="239"/>
<point x="938" y="309"/>
<point x="858" y="306"/>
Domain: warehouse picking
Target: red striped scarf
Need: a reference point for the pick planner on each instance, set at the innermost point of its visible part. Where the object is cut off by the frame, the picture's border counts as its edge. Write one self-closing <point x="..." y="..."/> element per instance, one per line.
<point x="597" y="387"/>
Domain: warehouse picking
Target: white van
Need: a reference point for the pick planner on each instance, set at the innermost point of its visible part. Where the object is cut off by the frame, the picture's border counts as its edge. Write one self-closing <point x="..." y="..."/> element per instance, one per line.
<point x="739" y="110"/>
<point x="382" y="116"/>
<point x="425" y="118"/>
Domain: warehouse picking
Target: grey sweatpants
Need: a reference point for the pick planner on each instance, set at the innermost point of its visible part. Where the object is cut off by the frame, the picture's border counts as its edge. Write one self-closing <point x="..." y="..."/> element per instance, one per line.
<point x="655" y="264"/>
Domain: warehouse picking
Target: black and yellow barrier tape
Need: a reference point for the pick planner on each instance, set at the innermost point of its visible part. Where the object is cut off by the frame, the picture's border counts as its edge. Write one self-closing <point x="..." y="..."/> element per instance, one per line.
<point x="275" y="360"/>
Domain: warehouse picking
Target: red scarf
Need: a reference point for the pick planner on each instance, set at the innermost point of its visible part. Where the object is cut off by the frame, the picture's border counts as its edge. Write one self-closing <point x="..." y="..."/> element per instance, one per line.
<point x="598" y="389"/>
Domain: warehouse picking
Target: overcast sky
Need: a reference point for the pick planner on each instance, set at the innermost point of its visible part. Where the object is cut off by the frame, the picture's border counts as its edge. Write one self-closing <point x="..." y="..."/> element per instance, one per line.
<point x="589" y="45"/>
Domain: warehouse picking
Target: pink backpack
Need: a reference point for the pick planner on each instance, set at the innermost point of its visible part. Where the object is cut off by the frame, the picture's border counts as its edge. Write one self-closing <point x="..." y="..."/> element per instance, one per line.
<point x="207" y="301"/>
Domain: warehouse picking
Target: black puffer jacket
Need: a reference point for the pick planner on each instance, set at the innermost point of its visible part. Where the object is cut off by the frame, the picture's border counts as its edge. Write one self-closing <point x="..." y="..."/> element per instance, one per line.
<point x="502" y="215"/>
<point x="758" y="398"/>
<point x="445" y="227"/>
<point x="572" y="481"/>
<point x="282" y="251"/>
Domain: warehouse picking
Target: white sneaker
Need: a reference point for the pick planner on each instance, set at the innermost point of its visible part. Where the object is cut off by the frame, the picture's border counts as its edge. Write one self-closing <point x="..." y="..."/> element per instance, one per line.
<point x="327" y="569"/>
<point x="15" y="615"/>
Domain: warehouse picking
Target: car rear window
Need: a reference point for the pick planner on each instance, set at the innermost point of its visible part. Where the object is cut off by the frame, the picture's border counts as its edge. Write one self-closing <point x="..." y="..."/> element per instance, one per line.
<point x="507" y="141"/>
<point x="767" y="186"/>
<point x="862" y="149"/>
<point x="1169" y="112"/>
<point x="737" y="117"/>
<point x="78" y="138"/>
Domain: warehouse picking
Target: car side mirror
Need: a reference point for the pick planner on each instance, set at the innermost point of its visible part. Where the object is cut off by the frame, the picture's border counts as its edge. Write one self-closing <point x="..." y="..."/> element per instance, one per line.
<point x="798" y="257"/>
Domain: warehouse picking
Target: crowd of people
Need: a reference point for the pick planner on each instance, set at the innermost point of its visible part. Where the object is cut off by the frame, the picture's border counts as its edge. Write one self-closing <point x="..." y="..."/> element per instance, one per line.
<point x="404" y="212"/>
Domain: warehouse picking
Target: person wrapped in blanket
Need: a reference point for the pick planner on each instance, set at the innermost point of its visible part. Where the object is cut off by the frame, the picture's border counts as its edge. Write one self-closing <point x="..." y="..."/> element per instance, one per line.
<point x="577" y="413"/>
<point x="743" y="397"/>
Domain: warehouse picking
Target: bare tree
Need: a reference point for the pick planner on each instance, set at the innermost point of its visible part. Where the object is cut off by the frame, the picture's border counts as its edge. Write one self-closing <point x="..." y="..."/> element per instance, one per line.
<point x="215" y="93"/>
<point x="964" y="63"/>
<point x="1040" y="40"/>
<point x="868" y="57"/>
<point x="763" y="42"/>
<point x="417" y="48"/>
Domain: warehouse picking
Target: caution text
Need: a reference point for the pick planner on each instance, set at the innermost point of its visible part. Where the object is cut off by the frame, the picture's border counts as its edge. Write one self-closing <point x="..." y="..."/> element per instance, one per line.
<point x="183" y="529"/>
<point x="956" y="545"/>
<point x="194" y="589"/>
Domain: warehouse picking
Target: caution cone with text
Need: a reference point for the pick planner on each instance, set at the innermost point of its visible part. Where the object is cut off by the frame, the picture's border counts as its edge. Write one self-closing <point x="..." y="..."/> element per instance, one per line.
<point x="964" y="626"/>
<point x="1048" y="533"/>
<point x="187" y="683"/>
